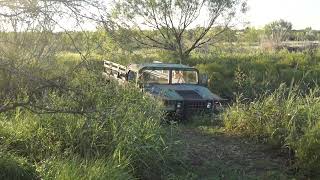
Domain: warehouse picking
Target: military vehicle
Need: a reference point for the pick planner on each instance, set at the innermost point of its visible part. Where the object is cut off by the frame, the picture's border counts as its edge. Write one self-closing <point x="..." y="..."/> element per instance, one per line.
<point x="181" y="88"/>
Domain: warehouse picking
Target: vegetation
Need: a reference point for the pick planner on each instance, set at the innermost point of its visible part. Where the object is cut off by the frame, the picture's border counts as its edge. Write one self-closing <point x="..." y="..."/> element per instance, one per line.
<point x="278" y="31"/>
<point x="169" y="22"/>
<point x="13" y="167"/>
<point x="253" y="74"/>
<point x="121" y="134"/>
<point x="286" y="118"/>
<point x="60" y="120"/>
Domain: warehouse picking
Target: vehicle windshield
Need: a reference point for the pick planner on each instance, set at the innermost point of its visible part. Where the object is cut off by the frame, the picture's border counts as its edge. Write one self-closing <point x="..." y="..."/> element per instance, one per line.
<point x="184" y="77"/>
<point x="180" y="76"/>
<point x="155" y="77"/>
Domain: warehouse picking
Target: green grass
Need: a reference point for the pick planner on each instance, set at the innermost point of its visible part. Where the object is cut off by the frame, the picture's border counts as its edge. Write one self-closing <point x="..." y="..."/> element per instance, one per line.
<point x="77" y="168"/>
<point x="16" y="168"/>
<point x="123" y="128"/>
<point x="122" y="137"/>
<point x="286" y="118"/>
<point x="253" y="74"/>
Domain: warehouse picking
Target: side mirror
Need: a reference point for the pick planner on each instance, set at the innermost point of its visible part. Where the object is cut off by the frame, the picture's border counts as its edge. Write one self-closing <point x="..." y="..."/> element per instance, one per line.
<point x="131" y="76"/>
<point x="203" y="80"/>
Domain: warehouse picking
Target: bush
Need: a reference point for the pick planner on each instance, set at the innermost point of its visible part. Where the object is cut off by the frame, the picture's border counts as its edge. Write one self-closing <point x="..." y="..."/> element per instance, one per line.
<point x="16" y="168"/>
<point x="114" y="122"/>
<point x="307" y="149"/>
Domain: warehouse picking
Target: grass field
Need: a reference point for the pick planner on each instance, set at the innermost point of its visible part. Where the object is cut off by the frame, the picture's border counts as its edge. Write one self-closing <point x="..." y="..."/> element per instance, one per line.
<point x="60" y="118"/>
<point x="268" y="130"/>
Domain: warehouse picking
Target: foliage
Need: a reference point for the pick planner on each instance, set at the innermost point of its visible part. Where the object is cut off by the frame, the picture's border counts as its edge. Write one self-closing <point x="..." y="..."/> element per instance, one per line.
<point x="60" y="120"/>
<point x="79" y="169"/>
<point x="169" y="22"/>
<point x="15" y="168"/>
<point x="56" y="108"/>
<point x="275" y="33"/>
<point x="285" y="118"/>
<point x="278" y="30"/>
<point x="97" y="121"/>
<point x="252" y="35"/>
<point x="256" y="73"/>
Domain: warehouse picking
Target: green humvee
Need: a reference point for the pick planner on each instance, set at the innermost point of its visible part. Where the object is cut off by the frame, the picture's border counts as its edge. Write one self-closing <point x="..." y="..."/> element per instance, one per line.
<point x="180" y="87"/>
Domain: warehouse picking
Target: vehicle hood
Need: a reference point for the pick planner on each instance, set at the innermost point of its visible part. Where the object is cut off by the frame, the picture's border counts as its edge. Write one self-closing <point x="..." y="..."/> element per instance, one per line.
<point x="182" y="92"/>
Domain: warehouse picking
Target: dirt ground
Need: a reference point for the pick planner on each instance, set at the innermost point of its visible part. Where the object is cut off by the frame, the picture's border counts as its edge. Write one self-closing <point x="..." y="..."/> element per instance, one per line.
<point x="212" y="154"/>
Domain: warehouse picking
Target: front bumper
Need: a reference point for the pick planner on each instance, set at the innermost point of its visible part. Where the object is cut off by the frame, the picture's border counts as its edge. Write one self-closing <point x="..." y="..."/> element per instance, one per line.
<point x="190" y="107"/>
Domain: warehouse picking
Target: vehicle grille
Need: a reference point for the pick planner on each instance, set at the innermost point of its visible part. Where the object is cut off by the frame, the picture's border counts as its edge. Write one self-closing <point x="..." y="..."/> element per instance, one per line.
<point x="169" y="103"/>
<point x="195" y="105"/>
<point x="187" y="94"/>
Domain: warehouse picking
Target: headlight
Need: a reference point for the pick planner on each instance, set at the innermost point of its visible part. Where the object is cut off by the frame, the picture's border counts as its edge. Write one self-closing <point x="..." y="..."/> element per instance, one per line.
<point x="179" y="105"/>
<point x="209" y="105"/>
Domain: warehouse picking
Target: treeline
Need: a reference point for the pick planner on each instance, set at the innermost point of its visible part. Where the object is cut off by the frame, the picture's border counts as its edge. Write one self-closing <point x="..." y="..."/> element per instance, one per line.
<point x="253" y="35"/>
<point x="105" y="42"/>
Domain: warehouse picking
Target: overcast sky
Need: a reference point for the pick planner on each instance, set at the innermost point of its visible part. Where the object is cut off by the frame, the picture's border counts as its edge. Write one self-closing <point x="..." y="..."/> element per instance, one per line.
<point x="301" y="13"/>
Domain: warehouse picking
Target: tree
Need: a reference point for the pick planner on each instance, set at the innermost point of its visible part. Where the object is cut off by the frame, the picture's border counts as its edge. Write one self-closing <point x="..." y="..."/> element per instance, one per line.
<point x="251" y="35"/>
<point x="166" y="24"/>
<point x="28" y="45"/>
<point x="278" y="31"/>
<point x="310" y="34"/>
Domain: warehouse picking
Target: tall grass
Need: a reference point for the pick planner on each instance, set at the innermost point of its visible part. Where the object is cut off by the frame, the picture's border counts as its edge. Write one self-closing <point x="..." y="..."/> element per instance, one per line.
<point x="16" y="168"/>
<point x="77" y="168"/>
<point x="255" y="73"/>
<point x="120" y="135"/>
<point x="285" y="118"/>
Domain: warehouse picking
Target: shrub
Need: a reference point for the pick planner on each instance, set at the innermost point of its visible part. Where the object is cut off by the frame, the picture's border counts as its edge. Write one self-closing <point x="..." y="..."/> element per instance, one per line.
<point x="117" y="123"/>
<point x="16" y="168"/>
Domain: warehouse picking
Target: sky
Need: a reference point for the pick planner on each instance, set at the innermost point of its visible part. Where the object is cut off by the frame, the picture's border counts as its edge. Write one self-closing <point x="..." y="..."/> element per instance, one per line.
<point x="301" y="13"/>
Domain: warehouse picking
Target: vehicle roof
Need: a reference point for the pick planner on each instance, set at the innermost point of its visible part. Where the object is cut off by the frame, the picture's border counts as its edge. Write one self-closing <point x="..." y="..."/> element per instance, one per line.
<point x="139" y="67"/>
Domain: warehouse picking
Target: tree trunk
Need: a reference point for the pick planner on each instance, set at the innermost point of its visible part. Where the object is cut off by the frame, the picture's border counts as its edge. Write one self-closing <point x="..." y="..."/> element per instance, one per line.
<point x="183" y="57"/>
